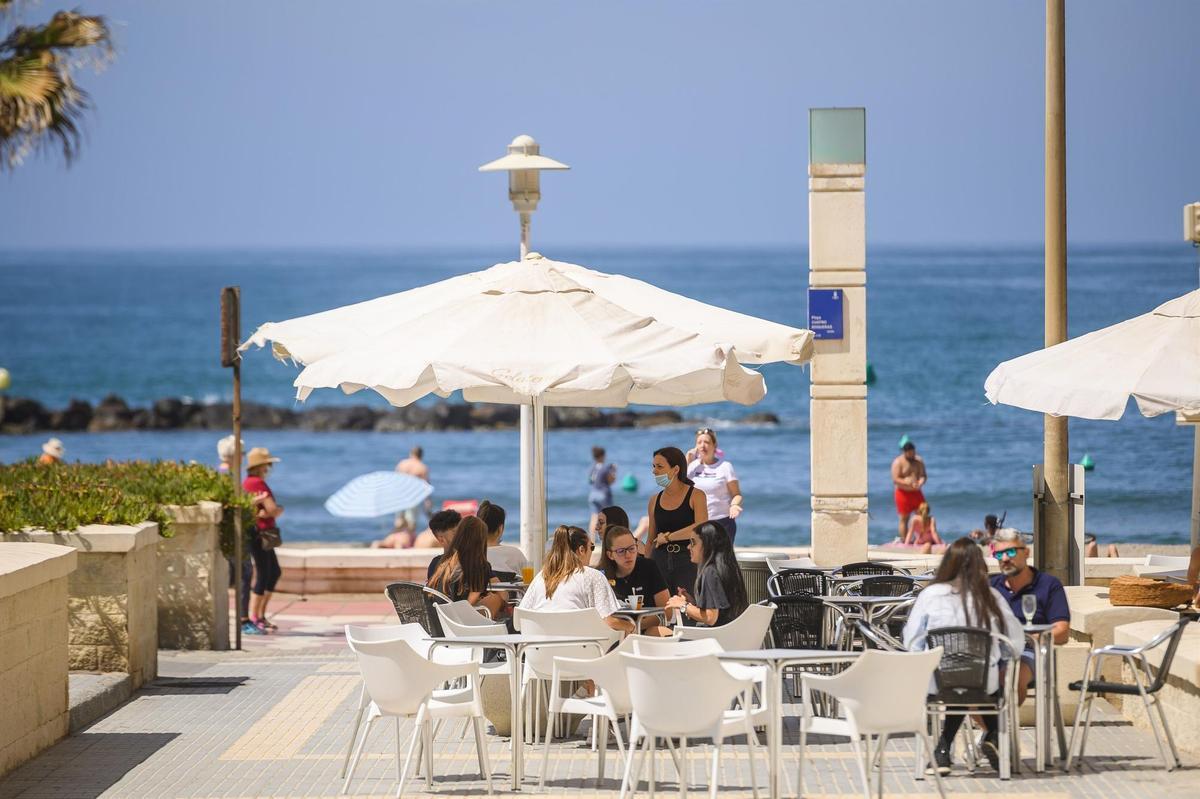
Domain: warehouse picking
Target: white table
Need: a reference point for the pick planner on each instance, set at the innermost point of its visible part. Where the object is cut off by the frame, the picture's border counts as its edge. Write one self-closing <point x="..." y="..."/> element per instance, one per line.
<point x="1047" y="713"/>
<point x="515" y="645"/>
<point x="777" y="661"/>
<point x="636" y="616"/>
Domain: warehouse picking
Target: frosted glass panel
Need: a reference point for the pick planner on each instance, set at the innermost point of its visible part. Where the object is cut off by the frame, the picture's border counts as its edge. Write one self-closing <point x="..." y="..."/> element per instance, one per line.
<point x="837" y="135"/>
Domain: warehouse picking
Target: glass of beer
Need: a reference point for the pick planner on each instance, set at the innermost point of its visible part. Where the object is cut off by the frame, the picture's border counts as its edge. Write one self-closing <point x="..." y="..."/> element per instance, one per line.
<point x="527" y="574"/>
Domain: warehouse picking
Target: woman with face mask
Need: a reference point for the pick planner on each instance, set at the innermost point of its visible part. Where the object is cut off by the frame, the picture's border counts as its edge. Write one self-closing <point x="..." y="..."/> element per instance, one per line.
<point x="674" y="513"/>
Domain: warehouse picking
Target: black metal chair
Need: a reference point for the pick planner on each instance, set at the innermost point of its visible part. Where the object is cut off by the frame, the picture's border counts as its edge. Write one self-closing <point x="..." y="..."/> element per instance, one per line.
<point x="797" y="581"/>
<point x="414" y="604"/>
<point x="883" y="585"/>
<point x="962" y="681"/>
<point x="1091" y="686"/>
<point x="865" y="568"/>
<point x="801" y="621"/>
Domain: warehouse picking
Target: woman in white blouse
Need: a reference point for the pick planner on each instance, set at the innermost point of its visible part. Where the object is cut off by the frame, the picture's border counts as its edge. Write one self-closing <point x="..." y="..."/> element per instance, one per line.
<point x="715" y="476"/>
<point x="959" y="595"/>
<point x="566" y="582"/>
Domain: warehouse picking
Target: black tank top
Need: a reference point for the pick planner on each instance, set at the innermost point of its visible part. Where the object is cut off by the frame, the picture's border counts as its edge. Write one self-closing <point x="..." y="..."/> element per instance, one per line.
<point x="673" y="558"/>
<point x="668" y="521"/>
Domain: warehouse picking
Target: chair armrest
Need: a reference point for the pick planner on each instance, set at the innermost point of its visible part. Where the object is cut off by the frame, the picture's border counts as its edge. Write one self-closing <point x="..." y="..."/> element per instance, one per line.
<point x="452" y="671"/>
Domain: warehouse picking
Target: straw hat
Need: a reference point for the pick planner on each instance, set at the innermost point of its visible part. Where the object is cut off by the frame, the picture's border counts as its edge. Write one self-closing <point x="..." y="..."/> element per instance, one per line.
<point x="259" y="456"/>
<point x="54" y="448"/>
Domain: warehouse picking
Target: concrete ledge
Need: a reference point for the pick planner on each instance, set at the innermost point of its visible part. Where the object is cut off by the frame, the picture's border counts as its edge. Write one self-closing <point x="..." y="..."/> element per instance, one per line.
<point x="24" y="565"/>
<point x="336" y="570"/>
<point x="93" y="696"/>
<point x="95" y="537"/>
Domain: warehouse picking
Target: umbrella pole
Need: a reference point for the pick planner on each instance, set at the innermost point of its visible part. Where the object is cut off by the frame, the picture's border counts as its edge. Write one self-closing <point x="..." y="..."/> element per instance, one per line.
<point x="1196" y="489"/>
<point x="533" y="487"/>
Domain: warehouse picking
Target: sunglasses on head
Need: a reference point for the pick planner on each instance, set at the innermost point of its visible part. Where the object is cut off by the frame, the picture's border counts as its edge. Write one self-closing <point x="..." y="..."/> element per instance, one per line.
<point x="704" y="431"/>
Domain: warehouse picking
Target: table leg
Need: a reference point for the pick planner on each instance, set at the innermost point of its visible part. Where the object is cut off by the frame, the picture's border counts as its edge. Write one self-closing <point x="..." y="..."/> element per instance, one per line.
<point x="515" y="710"/>
<point x="1041" y="728"/>
<point x="775" y="729"/>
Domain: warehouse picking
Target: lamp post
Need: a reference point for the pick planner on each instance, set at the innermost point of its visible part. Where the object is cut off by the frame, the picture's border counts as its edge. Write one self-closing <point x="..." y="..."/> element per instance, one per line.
<point x="524" y="164"/>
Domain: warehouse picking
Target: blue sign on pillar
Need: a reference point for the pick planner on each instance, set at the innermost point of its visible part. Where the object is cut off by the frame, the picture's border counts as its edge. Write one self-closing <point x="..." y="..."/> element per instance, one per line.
<point x="825" y="313"/>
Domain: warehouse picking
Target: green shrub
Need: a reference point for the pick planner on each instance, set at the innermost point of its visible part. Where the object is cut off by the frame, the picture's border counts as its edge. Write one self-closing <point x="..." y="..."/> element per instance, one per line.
<point x="67" y="496"/>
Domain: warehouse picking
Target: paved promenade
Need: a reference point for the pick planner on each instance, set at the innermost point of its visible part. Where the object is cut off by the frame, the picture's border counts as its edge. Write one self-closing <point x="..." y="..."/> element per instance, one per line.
<point x="274" y="721"/>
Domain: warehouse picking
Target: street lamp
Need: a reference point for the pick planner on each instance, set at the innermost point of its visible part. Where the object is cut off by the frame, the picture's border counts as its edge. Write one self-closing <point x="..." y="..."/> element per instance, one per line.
<point x="524" y="164"/>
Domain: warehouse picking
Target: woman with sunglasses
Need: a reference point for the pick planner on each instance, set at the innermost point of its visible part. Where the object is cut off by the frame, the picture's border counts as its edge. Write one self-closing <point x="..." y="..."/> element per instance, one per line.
<point x="674" y="513"/>
<point x="715" y="476"/>
<point x="630" y="573"/>
<point x="719" y="594"/>
<point x="567" y="583"/>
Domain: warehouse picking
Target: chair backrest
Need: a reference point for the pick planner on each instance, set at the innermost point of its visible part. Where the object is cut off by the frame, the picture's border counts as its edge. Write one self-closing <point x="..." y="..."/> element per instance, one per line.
<point x="884" y="585"/>
<point x="884" y="692"/>
<point x="680" y="696"/>
<point x="583" y="622"/>
<point x="747" y="631"/>
<point x="799" y="622"/>
<point x="864" y="568"/>
<point x="456" y="629"/>
<point x="1168" y="561"/>
<point x="962" y="675"/>
<point x="463" y="613"/>
<point x="779" y="564"/>
<point x="414" y="604"/>
<point x="797" y="581"/>
<point x="875" y="638"/>
<point x="651" y="646"/>
<point x="1173" y="635"/>
<point x="607" y="672"/>
<point x="505" y="577"/>
<point x="396" y="677"/>
<point x="386" y="632"/>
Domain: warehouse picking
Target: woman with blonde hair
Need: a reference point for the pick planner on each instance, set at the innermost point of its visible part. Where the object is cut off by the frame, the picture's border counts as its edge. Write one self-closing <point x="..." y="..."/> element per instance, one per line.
<point x="922" y="530"/>
<point x="566" y="582"/>
<point x="463" y="572"/>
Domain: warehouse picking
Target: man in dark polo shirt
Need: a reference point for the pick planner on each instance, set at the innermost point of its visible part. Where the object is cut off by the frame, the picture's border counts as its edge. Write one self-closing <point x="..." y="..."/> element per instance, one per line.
<point x="1017" y="579"/>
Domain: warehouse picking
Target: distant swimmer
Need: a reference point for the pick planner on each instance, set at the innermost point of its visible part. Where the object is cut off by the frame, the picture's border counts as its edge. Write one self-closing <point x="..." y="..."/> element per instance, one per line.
<point x="908" y="475"/>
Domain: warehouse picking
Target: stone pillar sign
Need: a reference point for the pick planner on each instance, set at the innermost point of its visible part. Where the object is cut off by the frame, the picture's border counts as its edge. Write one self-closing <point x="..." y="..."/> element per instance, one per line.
<point x="837" y="280"/>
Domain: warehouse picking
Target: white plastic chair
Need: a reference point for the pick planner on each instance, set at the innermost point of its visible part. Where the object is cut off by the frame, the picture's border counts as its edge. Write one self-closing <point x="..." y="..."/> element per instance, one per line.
<point x="461" y="619"/>
<point x="747" y="631"/>
<point x="684" y="698"/>
<point x="539" y="660"/>
<point x="882" y="694"/>
<point x="1168" y="561"/>
<point x="403" y="684"/>
<point x="610" y="704"/>
<point x="650" y="646"/>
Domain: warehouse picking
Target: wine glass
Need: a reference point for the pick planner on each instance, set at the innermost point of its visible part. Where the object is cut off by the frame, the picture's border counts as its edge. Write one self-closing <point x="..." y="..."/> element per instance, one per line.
<point x="1029" y="607"/>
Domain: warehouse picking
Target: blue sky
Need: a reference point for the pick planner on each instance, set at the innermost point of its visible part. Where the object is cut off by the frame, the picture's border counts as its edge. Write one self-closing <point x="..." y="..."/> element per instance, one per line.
<point x="306" y="124"/>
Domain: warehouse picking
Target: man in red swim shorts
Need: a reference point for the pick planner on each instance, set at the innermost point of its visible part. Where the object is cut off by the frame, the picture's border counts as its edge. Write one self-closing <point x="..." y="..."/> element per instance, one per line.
<point x="908" y="475"/>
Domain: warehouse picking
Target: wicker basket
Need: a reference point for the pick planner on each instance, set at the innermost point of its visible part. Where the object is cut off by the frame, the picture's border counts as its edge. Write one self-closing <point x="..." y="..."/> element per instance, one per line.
<point x="1146" y="593"/>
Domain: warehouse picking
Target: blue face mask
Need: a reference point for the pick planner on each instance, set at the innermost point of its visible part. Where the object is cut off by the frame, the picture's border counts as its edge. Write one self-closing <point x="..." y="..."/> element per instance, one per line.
<point x="663" y="480"/>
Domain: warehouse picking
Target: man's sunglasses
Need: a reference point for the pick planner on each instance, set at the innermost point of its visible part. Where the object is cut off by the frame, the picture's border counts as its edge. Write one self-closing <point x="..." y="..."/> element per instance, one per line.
<point x="1007" y="554"/>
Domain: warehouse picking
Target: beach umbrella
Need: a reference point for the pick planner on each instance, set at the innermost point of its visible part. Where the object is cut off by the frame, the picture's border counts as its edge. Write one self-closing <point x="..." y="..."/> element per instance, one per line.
<point x="536" y="332"/>
<point x="378" y="494"/>
<point x="1153" y="358"/>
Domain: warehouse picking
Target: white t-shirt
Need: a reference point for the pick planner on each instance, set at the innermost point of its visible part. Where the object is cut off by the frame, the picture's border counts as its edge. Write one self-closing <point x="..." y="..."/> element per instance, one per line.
<point x="507" y="558"/>
<point x="586" y="588"/>
<point x="713" y="479"/>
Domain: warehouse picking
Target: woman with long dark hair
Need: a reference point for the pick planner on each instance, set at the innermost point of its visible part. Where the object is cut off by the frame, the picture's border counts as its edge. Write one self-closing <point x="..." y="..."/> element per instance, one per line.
<point x="566" y="582"/>
<point x="674" y="513"/>
<point x="719" y="594"/>
<point x="464" y="572"/>
<point x="959" y="595"/>
<point x="502" y="557"/>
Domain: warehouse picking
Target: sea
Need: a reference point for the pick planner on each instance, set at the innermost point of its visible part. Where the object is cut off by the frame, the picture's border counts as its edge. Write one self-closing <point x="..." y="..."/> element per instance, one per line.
<point x="144" y="325"/>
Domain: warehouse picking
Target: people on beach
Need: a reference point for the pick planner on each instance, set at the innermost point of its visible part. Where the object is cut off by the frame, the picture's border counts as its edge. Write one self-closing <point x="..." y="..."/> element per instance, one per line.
<point x="714" y="475"/>
<point x="990" y="525"/>
<point x="464" y="573"/>
<point x="960" y="595"/>
<point x="406" y="520"/>
<point x="1017" y="579"/>
<point x="674" y="513"/>
<point x="600" y="479"/>
<point x="442" y="525"/>
<point x="259" y="463"/>
<point x="718" y="595"/>
<point x="922" y="530"/>
<point x="1091" y="547"/>
<point x="908" y="477"/>
<point x="631" y="573"/>
<point x="567" y="583"/>
<point x="53" y="452"/>
<point x="226" y="452"/>
<point x="502" y="557"/>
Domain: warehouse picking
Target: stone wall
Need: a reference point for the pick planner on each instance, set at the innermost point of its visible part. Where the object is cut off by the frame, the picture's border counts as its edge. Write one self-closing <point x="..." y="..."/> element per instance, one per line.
<point x="111" y="613"/>
<point x="33" y="648"/>
<point x="193" y="580"/>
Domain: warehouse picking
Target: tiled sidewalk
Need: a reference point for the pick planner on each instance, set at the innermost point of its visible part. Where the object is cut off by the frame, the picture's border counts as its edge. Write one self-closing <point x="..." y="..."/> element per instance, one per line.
<point x="274" y="720"/>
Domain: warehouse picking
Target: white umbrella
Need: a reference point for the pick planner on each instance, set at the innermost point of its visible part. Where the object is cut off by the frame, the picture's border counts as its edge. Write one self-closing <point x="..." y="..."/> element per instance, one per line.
<point x="1154" y="358"/>
<point x="378" y="494"/>
<point x="537" y="332"/>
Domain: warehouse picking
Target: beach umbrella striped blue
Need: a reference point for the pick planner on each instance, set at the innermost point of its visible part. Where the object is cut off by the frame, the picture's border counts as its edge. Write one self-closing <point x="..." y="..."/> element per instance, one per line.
<point x="378" y="494"/>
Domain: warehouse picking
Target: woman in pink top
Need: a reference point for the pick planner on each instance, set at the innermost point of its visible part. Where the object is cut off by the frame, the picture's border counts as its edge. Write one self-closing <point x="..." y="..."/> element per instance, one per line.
<point x="922" y="530"/>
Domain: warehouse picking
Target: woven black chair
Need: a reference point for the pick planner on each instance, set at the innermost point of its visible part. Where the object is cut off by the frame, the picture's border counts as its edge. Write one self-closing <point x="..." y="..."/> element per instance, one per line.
<point x="789" y="582"/>
<point x="414" y="604"/>
<point x="1148" y="683"/>
<point x="883" y="585"/>
<point x="962" y="681"/>
<point x="865" y="568"/>
<point x="801" y="622"/>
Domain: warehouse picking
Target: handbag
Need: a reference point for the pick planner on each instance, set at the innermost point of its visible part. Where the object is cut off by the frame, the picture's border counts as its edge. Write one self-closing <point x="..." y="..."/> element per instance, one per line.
<point x="270" y="538"/>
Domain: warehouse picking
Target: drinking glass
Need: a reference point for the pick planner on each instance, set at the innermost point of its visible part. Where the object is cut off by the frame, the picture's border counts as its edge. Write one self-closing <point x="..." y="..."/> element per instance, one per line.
<point x="527" y="574"/>
<point x="1029" y="607"/>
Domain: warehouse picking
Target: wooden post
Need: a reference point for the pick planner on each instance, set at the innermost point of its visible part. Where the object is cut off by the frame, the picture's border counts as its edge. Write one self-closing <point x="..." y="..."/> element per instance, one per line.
<point x="231" y="318"/>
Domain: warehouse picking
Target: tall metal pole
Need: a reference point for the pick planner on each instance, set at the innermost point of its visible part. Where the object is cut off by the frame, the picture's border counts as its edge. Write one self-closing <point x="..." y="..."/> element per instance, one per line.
<point x="1054" y="548"/>
<point x="237" y="492"/>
